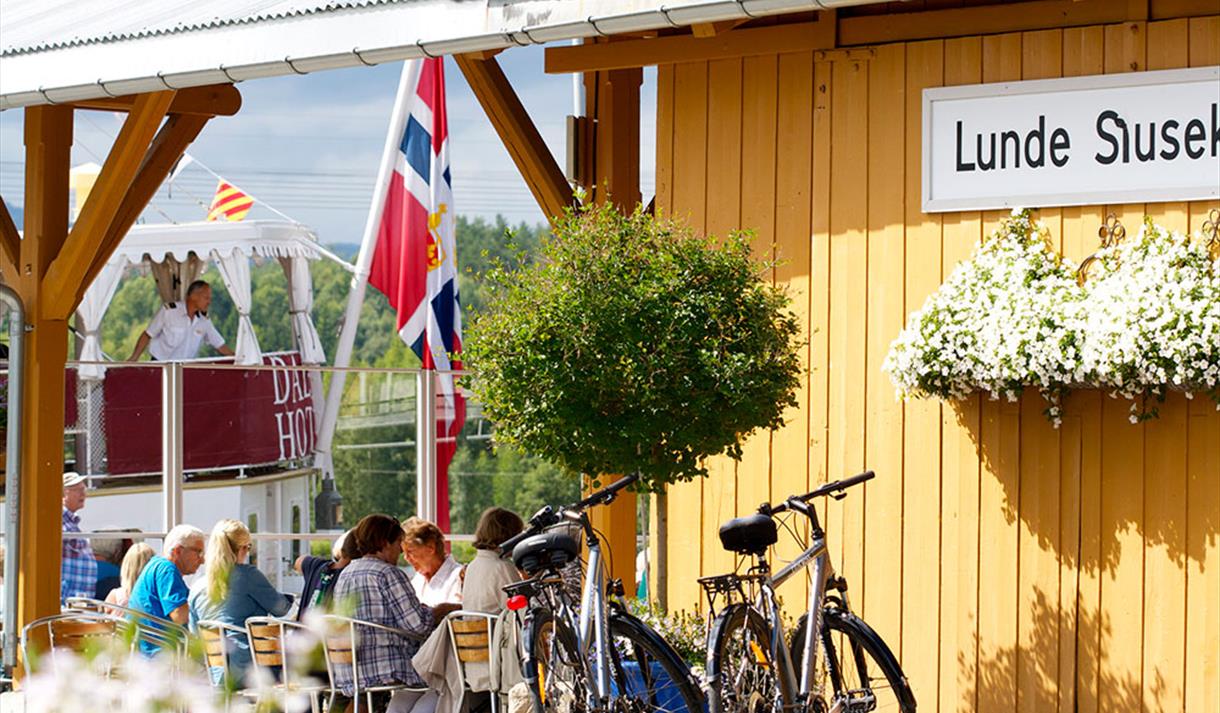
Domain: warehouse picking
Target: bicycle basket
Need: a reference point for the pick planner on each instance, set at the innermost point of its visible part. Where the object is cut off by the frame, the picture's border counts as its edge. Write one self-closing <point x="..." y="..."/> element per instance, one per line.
<point x="749" y="535"/>
<point x="547" y="551"/>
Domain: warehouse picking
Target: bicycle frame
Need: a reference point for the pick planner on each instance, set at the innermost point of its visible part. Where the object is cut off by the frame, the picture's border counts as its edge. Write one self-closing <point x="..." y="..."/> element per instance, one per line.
<point x="591" y="625"/>
<point x="823" y="572"/>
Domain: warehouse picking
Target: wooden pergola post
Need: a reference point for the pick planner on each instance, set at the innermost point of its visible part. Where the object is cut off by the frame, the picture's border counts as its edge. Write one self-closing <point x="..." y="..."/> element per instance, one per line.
<point x="51" y="266"/>
<point x="48" y="146"/>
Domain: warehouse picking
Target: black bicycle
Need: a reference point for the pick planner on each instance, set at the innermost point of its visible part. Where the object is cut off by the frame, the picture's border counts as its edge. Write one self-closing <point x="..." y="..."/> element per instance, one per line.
<point x="835" y="663"/>
<point x="596" y="656"/>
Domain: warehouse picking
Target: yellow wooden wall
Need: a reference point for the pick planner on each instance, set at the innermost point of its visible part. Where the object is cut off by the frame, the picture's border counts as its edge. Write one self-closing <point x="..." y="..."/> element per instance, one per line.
<point x="1010" y="565"/>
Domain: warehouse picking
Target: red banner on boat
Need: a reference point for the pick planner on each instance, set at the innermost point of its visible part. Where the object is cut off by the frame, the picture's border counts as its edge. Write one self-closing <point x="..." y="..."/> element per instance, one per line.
<point x="231" y="417"/>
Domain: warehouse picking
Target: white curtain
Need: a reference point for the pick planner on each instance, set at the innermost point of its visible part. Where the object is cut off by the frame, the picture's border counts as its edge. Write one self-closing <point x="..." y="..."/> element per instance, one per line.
<point x="92" y="308"/>
<point x="300" y="304"/>
<point x="173" y="277"/>
<point x="235" y="271"/>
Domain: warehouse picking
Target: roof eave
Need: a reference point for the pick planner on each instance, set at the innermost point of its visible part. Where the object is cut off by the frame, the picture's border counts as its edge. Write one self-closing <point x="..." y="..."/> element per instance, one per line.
<point x="346" y="38"/>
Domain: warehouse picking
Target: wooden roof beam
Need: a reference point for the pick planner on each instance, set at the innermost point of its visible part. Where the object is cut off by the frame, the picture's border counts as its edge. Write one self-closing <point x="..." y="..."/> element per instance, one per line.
<point x="172" y="141"/>
<point x="518" y="133"/>
<point x="212" y="100"/>
<point x="711" y="29"/>
<point x="83" y="245"/>
<point x="10" y="244"/>
<point x="670" y="49"/>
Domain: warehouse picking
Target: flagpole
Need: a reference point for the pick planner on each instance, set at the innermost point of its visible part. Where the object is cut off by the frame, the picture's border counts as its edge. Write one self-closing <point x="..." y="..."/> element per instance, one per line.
<point x="360" y="277"/>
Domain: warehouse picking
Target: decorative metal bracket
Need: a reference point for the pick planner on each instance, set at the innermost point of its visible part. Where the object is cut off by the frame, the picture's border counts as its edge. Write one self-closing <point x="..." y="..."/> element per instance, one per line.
<point x="1111" y="233"/>
<point x="1211" y="229"/>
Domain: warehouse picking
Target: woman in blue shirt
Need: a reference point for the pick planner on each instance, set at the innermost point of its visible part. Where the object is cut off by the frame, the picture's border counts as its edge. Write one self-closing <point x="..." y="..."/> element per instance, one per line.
<point x="232" y="591"/>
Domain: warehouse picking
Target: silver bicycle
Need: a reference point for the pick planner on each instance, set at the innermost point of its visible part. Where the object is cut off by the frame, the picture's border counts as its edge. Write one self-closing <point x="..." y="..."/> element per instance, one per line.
<point x="835" y="663"/>
<point x="595" y="657"/>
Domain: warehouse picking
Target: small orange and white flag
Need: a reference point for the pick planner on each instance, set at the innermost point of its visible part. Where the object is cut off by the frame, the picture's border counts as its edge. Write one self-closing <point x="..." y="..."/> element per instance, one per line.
<point x="229" y="203"/>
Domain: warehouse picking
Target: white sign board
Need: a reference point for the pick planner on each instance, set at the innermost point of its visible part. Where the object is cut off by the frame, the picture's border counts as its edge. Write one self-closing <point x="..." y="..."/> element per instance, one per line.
<point x="1124" y="138"/>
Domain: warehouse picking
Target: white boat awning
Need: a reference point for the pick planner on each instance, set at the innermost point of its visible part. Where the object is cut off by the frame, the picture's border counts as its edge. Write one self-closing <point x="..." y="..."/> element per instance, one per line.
<point x="253" y="238"/>
<point x="54" y="51"/>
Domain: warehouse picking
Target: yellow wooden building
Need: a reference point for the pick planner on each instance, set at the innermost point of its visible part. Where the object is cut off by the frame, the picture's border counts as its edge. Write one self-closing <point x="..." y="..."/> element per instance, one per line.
<point x="1011" y="565"/>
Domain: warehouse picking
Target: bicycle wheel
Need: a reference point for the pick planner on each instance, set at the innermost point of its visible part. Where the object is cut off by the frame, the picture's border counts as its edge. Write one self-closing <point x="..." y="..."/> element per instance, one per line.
<point x="742" y="677"/>
<point x="554" y="670"/>
<point x="857" y="671"/>
<point x="649" y="675"/>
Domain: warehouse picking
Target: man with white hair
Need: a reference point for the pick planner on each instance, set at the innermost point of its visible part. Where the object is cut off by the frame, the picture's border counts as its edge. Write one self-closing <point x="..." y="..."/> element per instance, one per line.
<point x="78" y="570"/>
<point x="160" y="589"/>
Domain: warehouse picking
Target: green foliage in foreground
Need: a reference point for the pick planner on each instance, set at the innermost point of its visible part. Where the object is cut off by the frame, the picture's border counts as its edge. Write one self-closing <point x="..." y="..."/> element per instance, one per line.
<point x="634" y="345"/>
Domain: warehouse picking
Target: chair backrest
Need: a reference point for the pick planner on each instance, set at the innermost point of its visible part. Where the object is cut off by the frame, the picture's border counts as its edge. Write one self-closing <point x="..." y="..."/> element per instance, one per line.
<point x="77" y="634"/>
<point x="73" y="630"/>
<point x="151" y="629"/>
<point x="216" y="637"/>
<point x="342" y="645"/>
<point x="470" y="634"/>
<point x="266" y="637"/>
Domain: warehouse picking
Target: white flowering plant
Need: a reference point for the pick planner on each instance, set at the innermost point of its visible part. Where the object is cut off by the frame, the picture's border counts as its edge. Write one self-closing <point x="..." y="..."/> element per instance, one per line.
<point x="110" y="674"/>
<point x="1004" y="320"/>
<point x="1015" y="316"/>
<point x="1152" y="314"/>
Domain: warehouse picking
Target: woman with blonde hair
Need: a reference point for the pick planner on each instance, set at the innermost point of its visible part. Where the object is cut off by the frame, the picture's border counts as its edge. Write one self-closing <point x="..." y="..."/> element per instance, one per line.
<point x="232" y="591"/>
<point x="133" y="564"/>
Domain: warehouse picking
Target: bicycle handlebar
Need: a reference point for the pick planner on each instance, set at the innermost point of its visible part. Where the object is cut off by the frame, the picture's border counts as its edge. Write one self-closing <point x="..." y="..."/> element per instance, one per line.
<point x="548" y="516"/>
<point x="606" y="494"/>
<point x="836" y="486"/>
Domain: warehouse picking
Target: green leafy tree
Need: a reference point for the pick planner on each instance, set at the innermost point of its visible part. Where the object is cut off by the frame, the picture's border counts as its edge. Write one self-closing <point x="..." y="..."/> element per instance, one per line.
<point x="634" y="345"/>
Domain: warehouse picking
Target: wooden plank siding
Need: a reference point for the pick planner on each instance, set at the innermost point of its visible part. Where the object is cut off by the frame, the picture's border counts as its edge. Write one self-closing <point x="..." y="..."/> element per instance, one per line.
<point x="1012" y="566"/>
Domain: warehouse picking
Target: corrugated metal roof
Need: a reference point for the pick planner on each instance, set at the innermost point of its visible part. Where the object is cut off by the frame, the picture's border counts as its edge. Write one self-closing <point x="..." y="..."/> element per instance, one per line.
<point x="34" y="25"/>
<point x="54" y="51"/>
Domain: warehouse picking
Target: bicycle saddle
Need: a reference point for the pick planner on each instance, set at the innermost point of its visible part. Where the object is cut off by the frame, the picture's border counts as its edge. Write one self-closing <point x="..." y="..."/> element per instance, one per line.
<point x="749" y="535"/>
<point x="549" y="550"/>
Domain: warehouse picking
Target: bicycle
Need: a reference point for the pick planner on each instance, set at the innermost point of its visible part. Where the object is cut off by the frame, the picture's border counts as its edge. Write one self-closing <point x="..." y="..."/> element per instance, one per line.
<point x="596" y="657"/>
<point x="751" y="669"/>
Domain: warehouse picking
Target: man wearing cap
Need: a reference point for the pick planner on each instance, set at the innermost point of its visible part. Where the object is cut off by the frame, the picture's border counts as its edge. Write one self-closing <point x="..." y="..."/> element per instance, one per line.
<point x="79" y="574"/>
<point x="180" y="328"/>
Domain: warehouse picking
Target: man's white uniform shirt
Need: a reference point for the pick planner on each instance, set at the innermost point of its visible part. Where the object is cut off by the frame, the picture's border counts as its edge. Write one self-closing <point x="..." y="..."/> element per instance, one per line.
<point x="176" y="336"/>
<point x="445" y="585"/>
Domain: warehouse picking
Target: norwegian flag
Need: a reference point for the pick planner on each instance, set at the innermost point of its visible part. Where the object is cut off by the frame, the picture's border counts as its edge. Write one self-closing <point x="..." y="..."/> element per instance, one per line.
<point x="415" y="259"/>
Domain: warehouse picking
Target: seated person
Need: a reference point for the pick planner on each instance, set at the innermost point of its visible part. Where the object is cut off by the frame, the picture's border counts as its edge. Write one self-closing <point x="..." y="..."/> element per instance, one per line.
<point x="161" y="590"/>
<point x="232" y="591"/>
<point x="482" y="591"/>
<point x="109" y="556"/>
<point x="382" y="594"/>
<point x="438" y="577"/>
<point x="133" y="565"/>
<point x="321" y="574"/>
<point x="488" y="573"/>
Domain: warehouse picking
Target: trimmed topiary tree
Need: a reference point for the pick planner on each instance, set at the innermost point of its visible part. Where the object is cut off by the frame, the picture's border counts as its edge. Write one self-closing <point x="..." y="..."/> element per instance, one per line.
<point x="633" y="344"/>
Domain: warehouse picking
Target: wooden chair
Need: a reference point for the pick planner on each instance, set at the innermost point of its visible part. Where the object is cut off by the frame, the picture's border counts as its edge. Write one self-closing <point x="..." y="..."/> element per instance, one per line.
<point x="267" y="637"/>
<point x="342" y="652"/>
<point x="471" y="635"/>
<point x="216" y="637"/>
<point x="151" y="629"/>
<point x="74" y="631"/>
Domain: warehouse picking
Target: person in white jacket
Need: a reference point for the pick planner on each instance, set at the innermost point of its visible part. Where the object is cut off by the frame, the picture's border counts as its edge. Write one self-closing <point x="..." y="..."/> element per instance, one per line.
<point x="482" y="591"/>
<point x="488" y="573"/>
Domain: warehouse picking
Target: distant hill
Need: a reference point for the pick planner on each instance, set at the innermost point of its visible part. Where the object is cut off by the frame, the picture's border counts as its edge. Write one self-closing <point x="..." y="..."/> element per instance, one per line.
<point x="347" y="251"/>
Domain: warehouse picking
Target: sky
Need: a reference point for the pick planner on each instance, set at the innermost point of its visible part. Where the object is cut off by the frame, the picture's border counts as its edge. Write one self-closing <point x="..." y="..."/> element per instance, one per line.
<point x="309" y="146"/>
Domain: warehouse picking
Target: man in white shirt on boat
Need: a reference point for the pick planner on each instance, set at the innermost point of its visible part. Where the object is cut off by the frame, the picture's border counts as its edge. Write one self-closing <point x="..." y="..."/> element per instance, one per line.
<point x="180" y="328"/>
